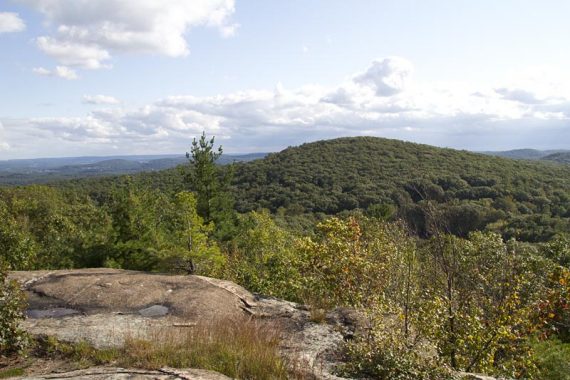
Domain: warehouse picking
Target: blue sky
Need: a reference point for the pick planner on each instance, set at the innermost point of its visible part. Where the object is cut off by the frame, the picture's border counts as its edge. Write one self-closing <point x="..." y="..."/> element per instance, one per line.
<point x="84" y="77"/>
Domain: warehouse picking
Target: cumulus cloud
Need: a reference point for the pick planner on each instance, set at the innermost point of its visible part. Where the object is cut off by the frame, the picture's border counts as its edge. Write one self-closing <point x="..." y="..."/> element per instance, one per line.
<point x="379" y="101"/>
<point x="87" y="32"/>
<point x="60" y="72"/>
<point x="69" y="53"/>
<point x="100" y="100"/>
<point x="387" y="76"/>
<point x="11" y="22"/>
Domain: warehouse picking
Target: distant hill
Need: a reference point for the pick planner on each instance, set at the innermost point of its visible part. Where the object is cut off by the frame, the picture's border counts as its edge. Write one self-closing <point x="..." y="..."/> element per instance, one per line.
<point x="561" y="157"/>
<point x="525" y="154"/>
<point x="44" y="170"/>
<point x="36" y="165"/>
<point x="527" y="199"/>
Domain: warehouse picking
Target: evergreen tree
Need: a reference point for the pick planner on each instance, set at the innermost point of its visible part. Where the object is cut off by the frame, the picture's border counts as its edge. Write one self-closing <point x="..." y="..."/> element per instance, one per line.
<point x="211" y="184"/>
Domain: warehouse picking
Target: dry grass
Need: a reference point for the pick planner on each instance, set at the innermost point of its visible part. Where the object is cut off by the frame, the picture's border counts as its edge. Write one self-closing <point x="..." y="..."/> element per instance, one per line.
<point x="318" y="307"/>
<point x="241" y="349"/>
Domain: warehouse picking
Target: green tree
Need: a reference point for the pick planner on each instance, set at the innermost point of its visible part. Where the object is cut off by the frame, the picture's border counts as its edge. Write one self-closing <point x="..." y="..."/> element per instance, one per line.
<point x="349" y="261"/>
<point x="137" y="227"/>
<point x="204" y="174"/>
<point x="192" y="250"/>
<point x="211" y="184"/>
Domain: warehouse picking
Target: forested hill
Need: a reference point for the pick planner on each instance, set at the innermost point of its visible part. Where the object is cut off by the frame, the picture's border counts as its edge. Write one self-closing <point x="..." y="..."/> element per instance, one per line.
<point x="527" y="199"/>
<point x="524" y="154"/>
<point x="562" y="157"/>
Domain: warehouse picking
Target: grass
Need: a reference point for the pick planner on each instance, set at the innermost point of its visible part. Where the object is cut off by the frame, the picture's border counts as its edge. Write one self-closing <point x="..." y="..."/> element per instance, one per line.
<point x="11" y="372"/>
<point x="82" y="354"/>
<point x="243" y="349"/>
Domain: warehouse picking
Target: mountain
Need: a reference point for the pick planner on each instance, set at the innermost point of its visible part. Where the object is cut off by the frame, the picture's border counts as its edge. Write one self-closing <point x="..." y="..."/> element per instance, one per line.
<point x="524" y="154"/>
<point x="527" y="199"/>
<point x="36" y="165"/>
<point x="45" y="170"/>
<point x="561" y="157"/>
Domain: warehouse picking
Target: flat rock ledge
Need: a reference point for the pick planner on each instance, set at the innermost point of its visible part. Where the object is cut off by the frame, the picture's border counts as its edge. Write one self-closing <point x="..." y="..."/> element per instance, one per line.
<point x="107" y="306"/>
<point x="108" y="373"/>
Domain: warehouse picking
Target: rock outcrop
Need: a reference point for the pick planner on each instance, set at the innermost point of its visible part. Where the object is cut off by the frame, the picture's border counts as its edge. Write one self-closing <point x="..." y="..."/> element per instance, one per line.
<point x="107" y="373"/>
<point x="106" y="306"/>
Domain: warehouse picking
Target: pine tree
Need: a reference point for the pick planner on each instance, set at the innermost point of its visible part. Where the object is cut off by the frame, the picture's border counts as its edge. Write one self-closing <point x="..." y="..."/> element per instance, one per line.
<point x="211" y="185"/>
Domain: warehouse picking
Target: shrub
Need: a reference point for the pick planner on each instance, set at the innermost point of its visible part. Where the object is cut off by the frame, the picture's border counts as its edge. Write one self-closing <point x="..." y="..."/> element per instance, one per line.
<point x="387" y="351"/>
<point x="263" y="259"/>
<point x="553" y="359"/>
<point x="341" y="265"/>
<point x="13" y="340"/>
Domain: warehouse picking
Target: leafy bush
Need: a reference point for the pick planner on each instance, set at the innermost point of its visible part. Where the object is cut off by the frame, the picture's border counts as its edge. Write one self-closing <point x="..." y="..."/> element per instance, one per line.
<point x="553" y="359"/>
<point x="473" y="306"/>
<point x="263" y="258"/>
<point x="13" y="340"/>
<point x="387" y="352"/>
<point x="345" y="264"/>
<point x="554" y="306"/>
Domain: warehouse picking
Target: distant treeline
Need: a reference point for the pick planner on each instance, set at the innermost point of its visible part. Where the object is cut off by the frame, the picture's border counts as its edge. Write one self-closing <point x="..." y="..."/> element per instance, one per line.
<point x="392" y="179"/>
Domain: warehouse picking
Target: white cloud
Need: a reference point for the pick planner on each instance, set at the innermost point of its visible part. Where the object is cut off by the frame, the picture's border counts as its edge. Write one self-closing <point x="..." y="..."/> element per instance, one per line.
<point x="387" y="76"/>
<point x="380" y="101"/>
<point x="4" y="146"/>
<point x="87" y="32"/>
<point x="519" y="95"/>
<point x="60" y="72"/>
<point x="42" y="71"/>
<point x="71" y="53"/>
<point x="11" y="22"/>
<point x="100" y="99"/>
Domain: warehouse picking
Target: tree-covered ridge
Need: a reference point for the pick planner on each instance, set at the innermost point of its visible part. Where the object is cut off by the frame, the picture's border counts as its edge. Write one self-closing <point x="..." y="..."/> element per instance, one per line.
<point x="528" y="200"/>
<point x="363" y="172"/>
<point x="49" y="170"/>
<point x="524" y="154"/>
<point x="562" y="157"/>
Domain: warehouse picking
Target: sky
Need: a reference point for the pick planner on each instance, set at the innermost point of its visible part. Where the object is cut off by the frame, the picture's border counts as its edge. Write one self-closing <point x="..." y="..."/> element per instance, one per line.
<point x="110" y="77"/>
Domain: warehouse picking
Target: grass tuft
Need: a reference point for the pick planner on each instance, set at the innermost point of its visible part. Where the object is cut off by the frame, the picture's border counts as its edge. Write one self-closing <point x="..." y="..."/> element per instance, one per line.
<point x="239" y="348"/>
<point x="244" y="349"/>
<point x="11" y="372"/>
